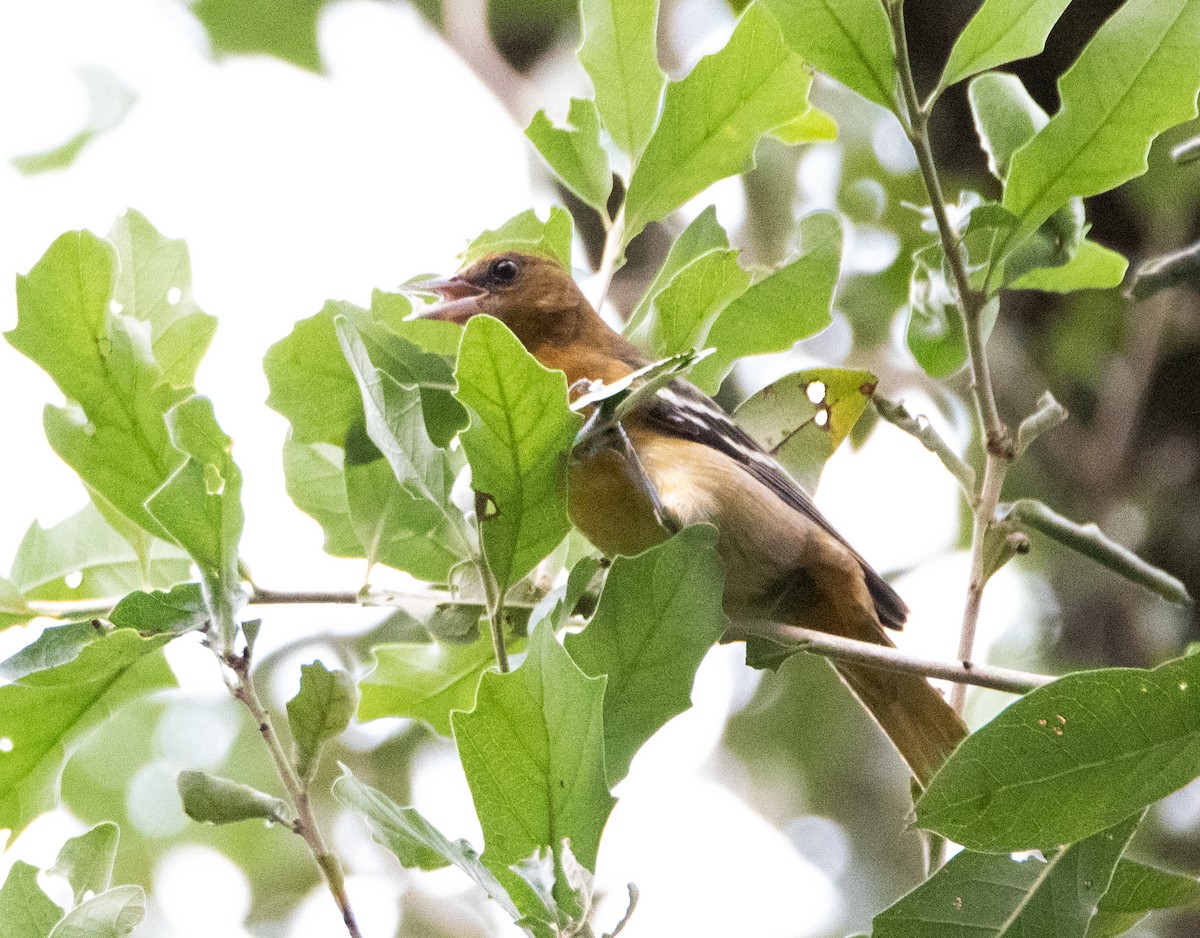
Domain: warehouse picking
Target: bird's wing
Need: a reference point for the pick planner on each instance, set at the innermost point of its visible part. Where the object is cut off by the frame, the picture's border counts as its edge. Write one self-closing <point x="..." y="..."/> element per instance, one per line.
<point x="683" y="410"/>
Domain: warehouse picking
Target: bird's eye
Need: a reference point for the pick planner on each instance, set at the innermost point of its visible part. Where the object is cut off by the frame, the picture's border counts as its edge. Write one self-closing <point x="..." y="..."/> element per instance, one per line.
<point x="503" y="270"/>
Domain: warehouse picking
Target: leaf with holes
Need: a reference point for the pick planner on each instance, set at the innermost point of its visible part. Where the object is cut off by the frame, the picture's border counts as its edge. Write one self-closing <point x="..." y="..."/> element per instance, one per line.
<point x="803" y="417"/>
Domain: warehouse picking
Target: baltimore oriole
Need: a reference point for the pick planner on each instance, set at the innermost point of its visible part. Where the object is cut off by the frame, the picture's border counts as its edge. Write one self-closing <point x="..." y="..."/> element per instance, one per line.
<point x="783" y="561"/>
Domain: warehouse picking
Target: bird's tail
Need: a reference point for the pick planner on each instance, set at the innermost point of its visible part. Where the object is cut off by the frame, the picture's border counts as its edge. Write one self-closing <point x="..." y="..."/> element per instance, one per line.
<point x="915" y="717"/>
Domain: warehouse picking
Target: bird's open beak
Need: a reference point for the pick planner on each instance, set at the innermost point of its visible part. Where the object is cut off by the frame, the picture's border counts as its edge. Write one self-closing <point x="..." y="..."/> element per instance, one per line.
<point x="459" y="300"/>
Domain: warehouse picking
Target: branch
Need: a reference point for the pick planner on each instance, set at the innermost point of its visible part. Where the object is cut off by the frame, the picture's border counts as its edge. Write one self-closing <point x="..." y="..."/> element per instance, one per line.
<point x="893" y="659"/>
<point x="1049" y="414"/>
<point x="919" y="427"/>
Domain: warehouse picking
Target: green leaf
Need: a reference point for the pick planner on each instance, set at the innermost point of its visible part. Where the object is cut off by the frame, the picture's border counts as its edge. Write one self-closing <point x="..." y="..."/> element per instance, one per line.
<point x="25" y="910"/>
<point x="1094" y="267"/>
<point x="180" y="610"/>
<point x="848" y="39"/>
<point x="109" y="101"/>
<point x="112" y="914"/>
<point x="46" y="713"/>
<point x="935" y="328"/>
<point x="528" y="234"/>
<point x="209" y="799"/>
<point x="685" y="308"/>
<point x="620" y="54"/>
<point x="287" y="31"/>
<point x="1138" y="76"/>
<point x="659" y="614"/>
<point x="802" y="418"/>
<point x="812" y="126"/>
<point x="114" y="435"/>
<point x="424" y="680"/>
<point x="702" y="235"/>
<point x="86" y="544"/>
<point x="1001" y="31"/>
<point x="521" y="433"/>
<point x="201" y="504"/>
<point x="574" y="153"/>
<point x="533" y="752"/>
<point x="314" y="475"/>
<point x="1167" y="270"/>
<point x="980" y="894"/>
<point x="420" y="509"/>
<point x="13" y="609"/>
<point x="1137" y="890"/>
<point x="414" y="841"/>
<point x="319" y="712"/>
<point x="779" y="310"/>
<point x="57" y="645"/>
<point x="154" y="285"/>
<point x="1006" y="118"/>
<point x="713" y="118"/>
<point x="1070" y="759"/>
<point x="87" y="861"/>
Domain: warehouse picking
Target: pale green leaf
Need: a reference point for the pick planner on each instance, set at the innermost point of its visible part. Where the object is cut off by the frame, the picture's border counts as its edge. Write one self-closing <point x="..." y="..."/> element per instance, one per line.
<point x="25" y="910"/>
<point x="684" y="309"/>
<point x="995" y="896"/>
<point x="1001" y="31"/>
<point x="620" y="54"/>
<point x="181" y="609"/>
<point x="812" y="126"/>
<point x="87" y="861"/>
<point x="527" y="234"/>
<point x="13" y="608"/>
<point x="1006" y="118"/>
<point x="57" y="645"/>
<point x="46" y="713"/>
<point x="520" y="436"/>
<point x="659" y="614"/>
<point x="789" y="304"/>
<point x="112" y="914"/>
<point x="713" y="119"/>
<point x="209" y="799"/>
<point x="319" y="712"/>
<point x="1137" y="890"/>
<point x="314" y="476"/>
<point x="574" y="152"/>
<point x="1094" y="267"/>
<point x="848" y="39"/>
<point x="1070" y="759"/>
<point x="533" y="752"/>
<point x="802" y="418"/>
<point x="1139" y="75"/>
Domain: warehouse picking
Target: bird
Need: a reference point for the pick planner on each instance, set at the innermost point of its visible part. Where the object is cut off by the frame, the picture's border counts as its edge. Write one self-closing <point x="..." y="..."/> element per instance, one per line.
<point x="681" y="460"/>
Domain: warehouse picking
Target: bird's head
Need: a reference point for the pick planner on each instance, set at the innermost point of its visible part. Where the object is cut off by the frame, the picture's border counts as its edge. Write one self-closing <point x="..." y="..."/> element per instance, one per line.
<point x="532" y="295"/>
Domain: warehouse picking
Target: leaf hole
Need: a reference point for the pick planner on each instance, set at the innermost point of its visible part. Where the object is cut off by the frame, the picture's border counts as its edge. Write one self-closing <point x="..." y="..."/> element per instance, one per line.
<point x="6" y="744"/>
<point x="74" y="579"/>
<point x="114" y="307"/>
<point x="174" y="295"/>
<point x="815" y="391"/>
<point x="821" y="419"/>
<point x="1183" y="685"/>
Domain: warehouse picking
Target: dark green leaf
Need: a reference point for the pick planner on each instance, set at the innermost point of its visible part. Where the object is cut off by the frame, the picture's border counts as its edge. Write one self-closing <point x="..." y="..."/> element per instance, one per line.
<point x="210" y="799"/>
<point x="533" y="751"/>
<point x="848" y="39"/>
<point x="320" y="711"/>
<point x="574" y="152"/>
<point x="659" y="614"/>
<point x="784" y="307"/>
<point x="1070" y="759"/>
<point x="980" y="894"/>
<point x="45" y="713"/>
<point x="1137" y="890"/>
<point x="521" y="432"/>
<point x="803" y="417"/>
<point x="1139" y="75"/>
<point x="87" y="861"/>
<point x="414" y="841"/>
<point x="1001" y="31"/>
<point x="530" y="235"/>
<point x="620" y="54"/>
<point x="713" y="119"/>
<point x="181" y="610"/>
<point x="112" y="914"/>
<point x="25" y="910"/>
<point x="1170" y="270"/>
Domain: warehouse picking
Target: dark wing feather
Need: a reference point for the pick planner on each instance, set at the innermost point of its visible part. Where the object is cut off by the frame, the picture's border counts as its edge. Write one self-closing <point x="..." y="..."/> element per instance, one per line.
<point x="682" y="410"/>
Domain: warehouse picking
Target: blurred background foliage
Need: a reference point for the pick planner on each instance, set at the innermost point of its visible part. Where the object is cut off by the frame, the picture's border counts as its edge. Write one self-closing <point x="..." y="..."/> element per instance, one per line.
<point x="1129" y="459"/>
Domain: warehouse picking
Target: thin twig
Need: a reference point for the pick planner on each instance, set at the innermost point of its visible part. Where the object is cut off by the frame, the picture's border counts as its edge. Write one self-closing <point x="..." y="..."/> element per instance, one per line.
<point x="897" y="414"/>
<point x="848" y="649"/>
<point x="614" y="247"/>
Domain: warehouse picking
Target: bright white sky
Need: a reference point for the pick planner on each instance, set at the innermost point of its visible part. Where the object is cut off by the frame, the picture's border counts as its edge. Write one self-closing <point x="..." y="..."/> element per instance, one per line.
<point x="292" y="188"/>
